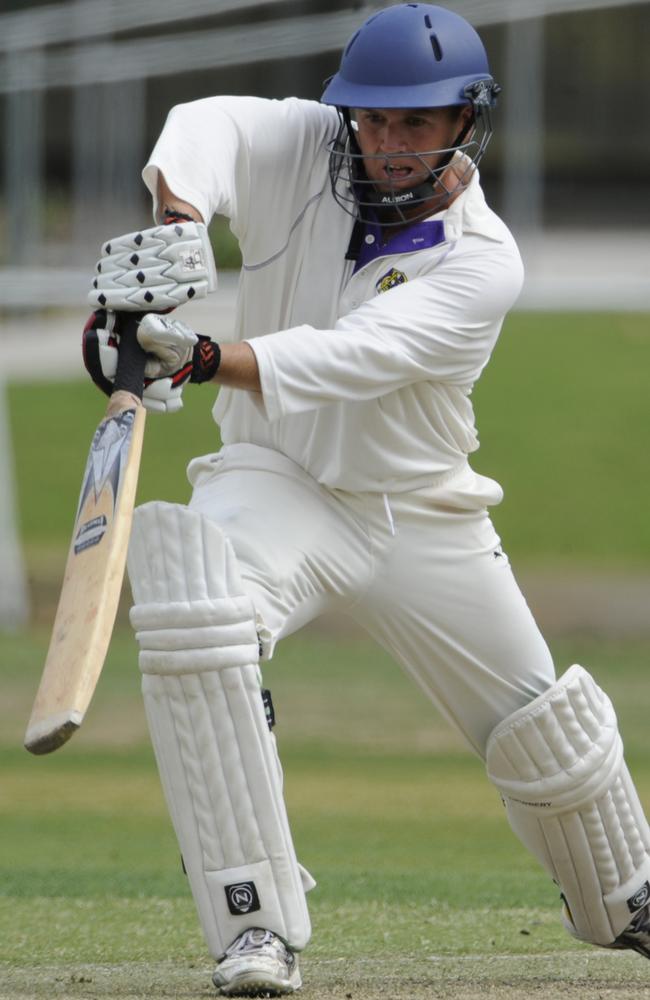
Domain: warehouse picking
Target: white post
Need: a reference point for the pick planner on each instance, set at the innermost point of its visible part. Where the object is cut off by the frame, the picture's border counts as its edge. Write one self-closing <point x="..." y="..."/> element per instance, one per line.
<point x="14" y="599"/>
<point x="121" y="191"/>
<point x="523" y="125"/>
<point x="24" y="155"/>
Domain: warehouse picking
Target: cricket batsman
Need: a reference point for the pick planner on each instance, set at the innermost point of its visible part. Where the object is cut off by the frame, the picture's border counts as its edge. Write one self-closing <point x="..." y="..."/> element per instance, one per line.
<point x="375" y="281"/>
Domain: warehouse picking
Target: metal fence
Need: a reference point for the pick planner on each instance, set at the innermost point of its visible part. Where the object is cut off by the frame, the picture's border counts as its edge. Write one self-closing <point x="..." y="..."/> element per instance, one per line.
<point x="104" y="54"/>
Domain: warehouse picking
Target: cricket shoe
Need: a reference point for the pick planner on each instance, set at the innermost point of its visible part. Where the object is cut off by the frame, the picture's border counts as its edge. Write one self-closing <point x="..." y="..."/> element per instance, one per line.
<point x="257" y="964"/>
<point x="637" y="933"/>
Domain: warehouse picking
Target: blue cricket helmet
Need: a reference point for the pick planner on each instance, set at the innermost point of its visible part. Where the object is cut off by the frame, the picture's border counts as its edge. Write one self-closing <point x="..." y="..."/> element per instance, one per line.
<point x="412" y="55"/>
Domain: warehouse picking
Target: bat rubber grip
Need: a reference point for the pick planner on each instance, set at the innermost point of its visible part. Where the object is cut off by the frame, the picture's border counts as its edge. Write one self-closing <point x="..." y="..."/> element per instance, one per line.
<point x="131" y="361"/>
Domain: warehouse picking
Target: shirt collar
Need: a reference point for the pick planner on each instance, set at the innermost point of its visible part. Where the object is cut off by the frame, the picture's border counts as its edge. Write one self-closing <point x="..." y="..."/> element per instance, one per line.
<point x="419" y="236"/>
<point x="468" y="213"/>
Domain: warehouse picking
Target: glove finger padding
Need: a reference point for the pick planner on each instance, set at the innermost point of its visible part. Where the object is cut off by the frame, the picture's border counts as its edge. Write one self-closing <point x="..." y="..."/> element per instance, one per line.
<point x="162" y="396"/>
<point x="169" y="343"/>
<point x="176" y="350"/>
<point x="158" y="268"/>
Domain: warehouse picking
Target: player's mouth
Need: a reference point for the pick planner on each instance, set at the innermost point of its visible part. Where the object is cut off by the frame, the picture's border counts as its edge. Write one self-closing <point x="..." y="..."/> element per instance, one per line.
<point x="395" y="174"/>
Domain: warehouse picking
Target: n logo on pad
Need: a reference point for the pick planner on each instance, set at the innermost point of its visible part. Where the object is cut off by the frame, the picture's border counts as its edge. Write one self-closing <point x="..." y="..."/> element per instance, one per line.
<point x="242" y="898"/>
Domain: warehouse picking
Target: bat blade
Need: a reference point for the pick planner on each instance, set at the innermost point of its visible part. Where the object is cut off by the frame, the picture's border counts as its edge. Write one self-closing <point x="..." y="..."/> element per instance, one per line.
<point x="93" y="577"/>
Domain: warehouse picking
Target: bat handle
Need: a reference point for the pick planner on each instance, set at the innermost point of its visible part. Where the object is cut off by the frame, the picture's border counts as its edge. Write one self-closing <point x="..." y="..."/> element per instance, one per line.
<point x="131" y="361"/>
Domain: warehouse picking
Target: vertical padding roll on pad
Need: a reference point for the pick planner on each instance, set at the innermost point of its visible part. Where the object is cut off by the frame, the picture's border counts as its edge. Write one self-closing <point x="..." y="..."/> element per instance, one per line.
<point x="216" y="756"/>
<point x="559" y="766"/>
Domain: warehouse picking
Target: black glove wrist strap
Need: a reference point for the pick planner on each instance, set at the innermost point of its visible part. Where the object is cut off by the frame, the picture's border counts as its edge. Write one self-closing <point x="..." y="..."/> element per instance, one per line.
<point x="205" y="360"/>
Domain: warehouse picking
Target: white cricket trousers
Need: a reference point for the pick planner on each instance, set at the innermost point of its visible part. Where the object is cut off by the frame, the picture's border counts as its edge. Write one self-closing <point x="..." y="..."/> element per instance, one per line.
<point x="423" y="574"/>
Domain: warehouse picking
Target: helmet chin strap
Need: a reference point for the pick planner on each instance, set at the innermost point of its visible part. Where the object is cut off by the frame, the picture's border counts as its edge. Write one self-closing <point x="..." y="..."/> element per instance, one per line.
<point x="389" y="206"/>
<point x="387" y="203"/>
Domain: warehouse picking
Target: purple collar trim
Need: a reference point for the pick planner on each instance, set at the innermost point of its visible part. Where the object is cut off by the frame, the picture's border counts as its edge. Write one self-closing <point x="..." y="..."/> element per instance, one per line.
<point x="419" y="236"/>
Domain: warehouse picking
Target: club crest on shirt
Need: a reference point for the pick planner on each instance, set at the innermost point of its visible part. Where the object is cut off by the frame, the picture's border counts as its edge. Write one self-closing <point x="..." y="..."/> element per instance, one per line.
<point x="390" y="280"/>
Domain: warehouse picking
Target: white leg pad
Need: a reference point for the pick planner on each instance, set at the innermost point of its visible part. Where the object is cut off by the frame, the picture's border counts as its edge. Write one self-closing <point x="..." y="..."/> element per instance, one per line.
<point x="558" y="763"/>
<point x="216" y="756"/>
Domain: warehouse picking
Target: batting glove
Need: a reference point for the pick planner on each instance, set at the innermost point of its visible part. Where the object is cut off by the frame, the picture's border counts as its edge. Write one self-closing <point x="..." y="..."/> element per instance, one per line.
<point x="176" y="355"/>
<point x="174" y="350"/>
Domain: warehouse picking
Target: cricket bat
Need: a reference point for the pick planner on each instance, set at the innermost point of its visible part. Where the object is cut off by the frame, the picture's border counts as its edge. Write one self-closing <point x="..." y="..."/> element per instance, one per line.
<point x="96" y="559"/>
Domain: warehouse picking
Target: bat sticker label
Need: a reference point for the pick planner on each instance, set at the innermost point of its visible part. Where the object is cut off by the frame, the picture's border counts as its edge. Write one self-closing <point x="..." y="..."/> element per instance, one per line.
<point x="108" y="454"/>
<point x="90" y="533"/>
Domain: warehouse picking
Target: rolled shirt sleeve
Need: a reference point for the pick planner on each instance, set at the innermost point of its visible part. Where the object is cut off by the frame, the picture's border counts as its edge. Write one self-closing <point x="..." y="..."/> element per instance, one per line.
<point x="246" y="158"/>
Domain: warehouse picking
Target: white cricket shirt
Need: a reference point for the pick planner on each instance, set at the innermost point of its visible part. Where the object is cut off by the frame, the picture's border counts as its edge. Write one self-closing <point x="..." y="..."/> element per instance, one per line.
<point x="366" y="374"/>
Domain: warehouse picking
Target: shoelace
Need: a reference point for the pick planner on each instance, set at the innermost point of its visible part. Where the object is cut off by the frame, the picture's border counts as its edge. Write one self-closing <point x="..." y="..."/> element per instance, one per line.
<point x="251" y="941"/>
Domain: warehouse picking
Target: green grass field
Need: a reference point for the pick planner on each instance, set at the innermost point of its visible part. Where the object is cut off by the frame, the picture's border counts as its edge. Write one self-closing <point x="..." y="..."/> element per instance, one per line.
<point x="419" y="875"/>
<point x="562" y="413"/>
<point x="422" y="889"/>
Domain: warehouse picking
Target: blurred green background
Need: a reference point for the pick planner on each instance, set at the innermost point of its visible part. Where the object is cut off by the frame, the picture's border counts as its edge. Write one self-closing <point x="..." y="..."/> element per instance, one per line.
<point x="562" y="412"/>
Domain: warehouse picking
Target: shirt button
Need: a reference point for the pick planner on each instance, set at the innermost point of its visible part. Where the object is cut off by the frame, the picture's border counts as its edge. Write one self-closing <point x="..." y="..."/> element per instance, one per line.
<point x="370" y="239"/>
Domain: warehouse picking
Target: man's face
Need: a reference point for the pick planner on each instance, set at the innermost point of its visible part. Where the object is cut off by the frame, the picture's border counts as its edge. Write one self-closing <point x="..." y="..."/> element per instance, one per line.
<point x="389" y="138"/>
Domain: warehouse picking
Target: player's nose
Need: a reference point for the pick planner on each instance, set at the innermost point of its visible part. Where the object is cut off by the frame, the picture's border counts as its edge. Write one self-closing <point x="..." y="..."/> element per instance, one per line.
<point x="392" y="139"/>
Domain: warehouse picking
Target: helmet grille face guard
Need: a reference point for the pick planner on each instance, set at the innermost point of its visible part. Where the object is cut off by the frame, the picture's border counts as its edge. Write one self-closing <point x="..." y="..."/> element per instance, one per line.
<point x="410" y="56"/>
<point x="395" y="206"/>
